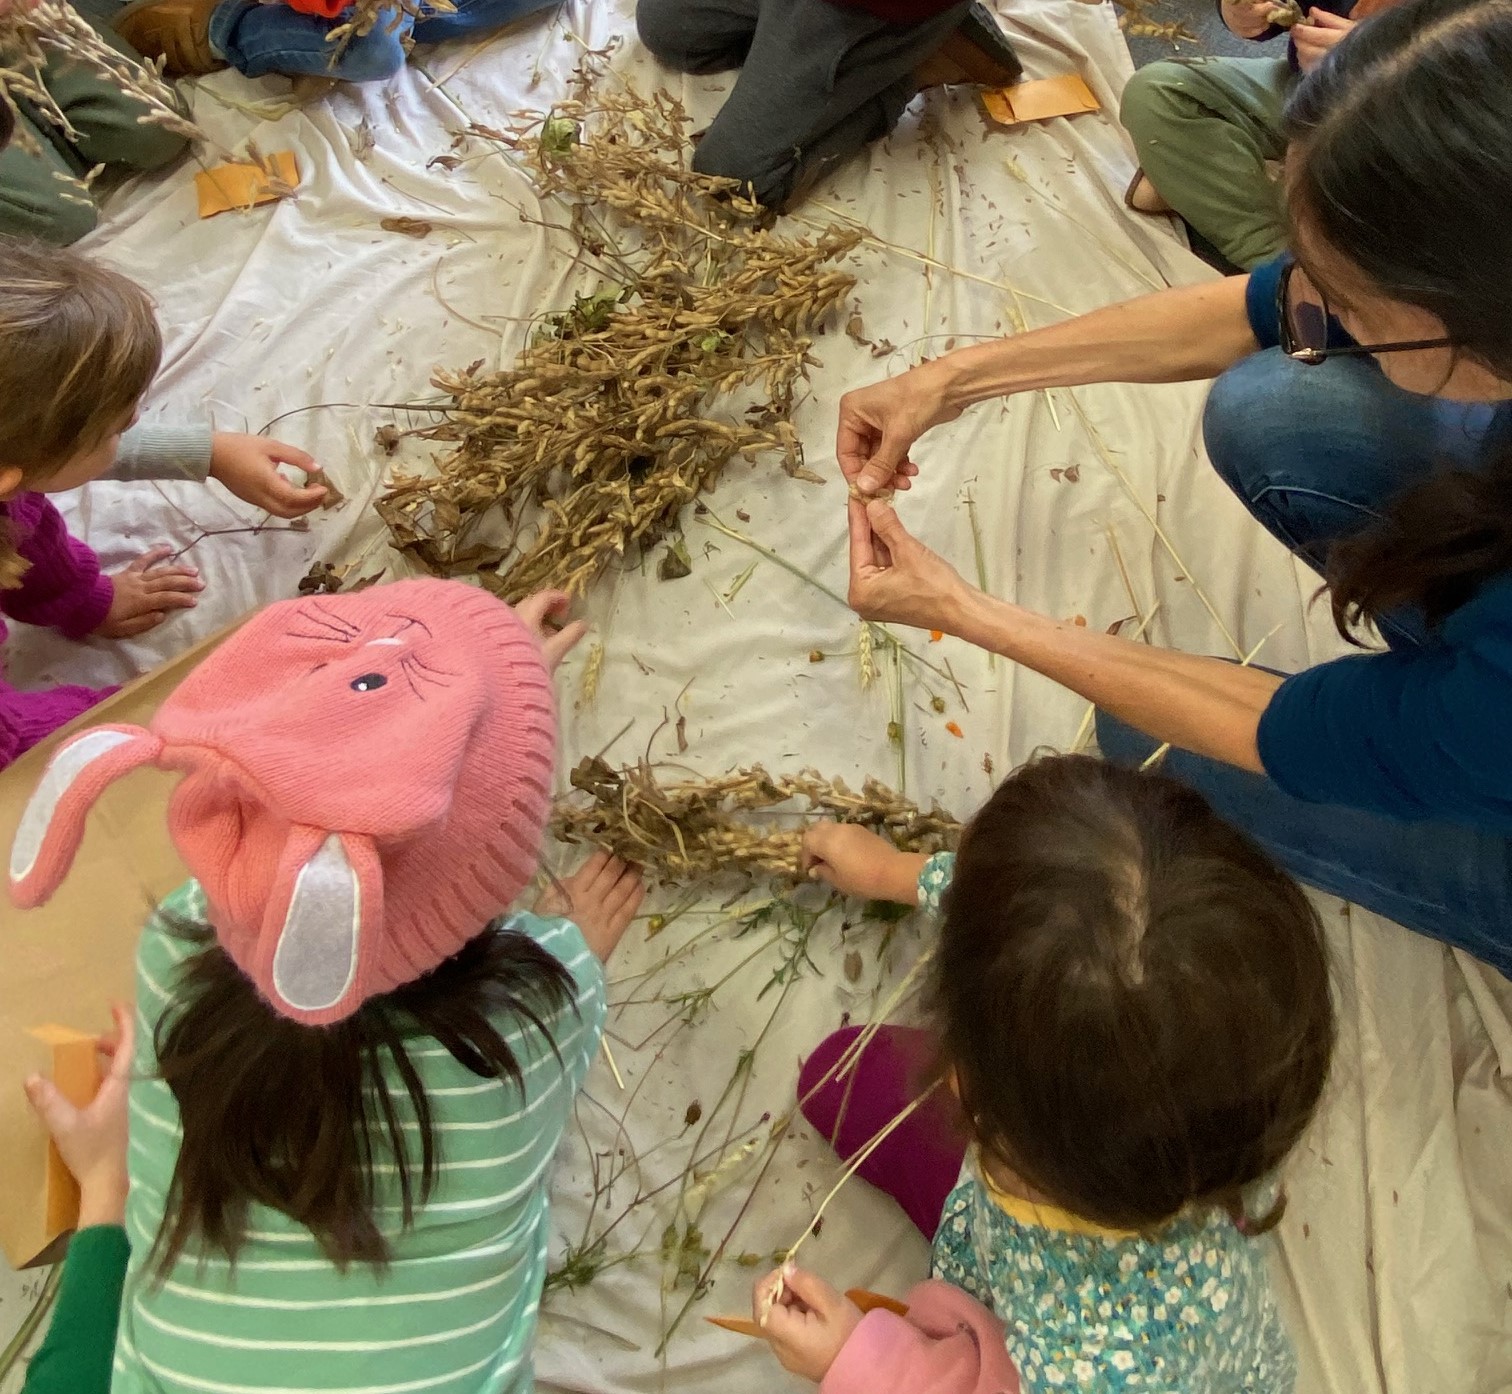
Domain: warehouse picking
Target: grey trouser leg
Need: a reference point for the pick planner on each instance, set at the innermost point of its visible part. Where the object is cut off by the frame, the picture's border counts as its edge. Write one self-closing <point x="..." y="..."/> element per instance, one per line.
<point x="818" y="82"/>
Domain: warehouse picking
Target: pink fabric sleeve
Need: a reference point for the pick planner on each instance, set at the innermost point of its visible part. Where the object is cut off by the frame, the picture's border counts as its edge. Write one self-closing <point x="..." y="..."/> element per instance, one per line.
<point x="947" y="1344"/>
<point x="63" y="588"/>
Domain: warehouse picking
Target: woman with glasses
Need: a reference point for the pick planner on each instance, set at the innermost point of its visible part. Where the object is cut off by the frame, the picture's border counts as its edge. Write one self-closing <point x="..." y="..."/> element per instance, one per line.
<point x="1362" y="413"/>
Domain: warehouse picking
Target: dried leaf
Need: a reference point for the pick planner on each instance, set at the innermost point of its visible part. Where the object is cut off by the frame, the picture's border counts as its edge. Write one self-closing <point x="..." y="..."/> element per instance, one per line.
<point x="882" y="348"/>
<point x="852" y="966"/>
<point x="693" y="1114"/>
<point x="407" y="227"/>
<point x="387" y="439"/>
<point x="675" y="562"/>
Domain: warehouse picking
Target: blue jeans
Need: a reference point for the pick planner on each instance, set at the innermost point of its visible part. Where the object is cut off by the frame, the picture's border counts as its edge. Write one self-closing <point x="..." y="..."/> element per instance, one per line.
<point x="1314" y="453"/>
<point x="257" y="39"/>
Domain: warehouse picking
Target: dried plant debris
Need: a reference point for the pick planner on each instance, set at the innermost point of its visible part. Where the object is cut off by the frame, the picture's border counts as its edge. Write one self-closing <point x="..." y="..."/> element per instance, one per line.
<point x="325" y="578"/>
<point x="698" y="829"/>
<point x="1146" y="19"/>
<point x="367" y="15"/>
<point x="625" y="407"/>
<point x="32" y="35"/>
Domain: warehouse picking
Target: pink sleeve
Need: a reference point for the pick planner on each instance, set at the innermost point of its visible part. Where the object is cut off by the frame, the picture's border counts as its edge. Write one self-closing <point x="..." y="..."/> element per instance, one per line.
<point x="947" y="1344"/>
<point x="63" y="588"/>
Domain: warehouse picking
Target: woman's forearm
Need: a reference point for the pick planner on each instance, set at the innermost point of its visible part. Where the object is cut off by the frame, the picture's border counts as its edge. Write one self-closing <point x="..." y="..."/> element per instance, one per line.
<point x="1175" y="335"/>
<point x="1200" y="704"/>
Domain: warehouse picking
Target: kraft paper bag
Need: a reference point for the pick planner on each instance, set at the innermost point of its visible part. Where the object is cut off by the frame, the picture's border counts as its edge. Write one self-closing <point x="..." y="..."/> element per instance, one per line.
<point x="63" y="964"/>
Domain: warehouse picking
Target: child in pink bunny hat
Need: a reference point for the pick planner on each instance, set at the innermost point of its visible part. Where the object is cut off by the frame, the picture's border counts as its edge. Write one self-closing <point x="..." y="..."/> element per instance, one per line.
<point x="354" y="1064"/>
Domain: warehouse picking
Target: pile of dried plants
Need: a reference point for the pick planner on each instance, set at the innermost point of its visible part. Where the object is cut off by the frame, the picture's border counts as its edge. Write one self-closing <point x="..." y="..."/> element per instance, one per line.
<point x="696" y="829"/>
<point x="624" y="408"/>
<point x="32" y="36"/>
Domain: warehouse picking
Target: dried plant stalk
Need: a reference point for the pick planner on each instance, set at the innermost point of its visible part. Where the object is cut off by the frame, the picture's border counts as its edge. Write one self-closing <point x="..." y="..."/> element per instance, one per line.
<point x="697" y="829"/>
<point x="625" y="408"/>
<point x="367" y="15"/>
<point x="52" y="27"/>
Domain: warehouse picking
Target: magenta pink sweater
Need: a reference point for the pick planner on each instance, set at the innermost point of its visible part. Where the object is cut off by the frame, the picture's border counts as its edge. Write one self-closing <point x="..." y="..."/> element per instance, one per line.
<point x="63" y="590"/>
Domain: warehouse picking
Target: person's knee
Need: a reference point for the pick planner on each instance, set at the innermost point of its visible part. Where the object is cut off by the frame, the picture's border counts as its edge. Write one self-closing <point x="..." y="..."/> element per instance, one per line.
<point x="1150" y="99"/>
<point x="59" y="221"/>
<point x="1259" y="396"/>
<point x="154" y="147"/>
<point x="663" y="29"/>
<point x="375" y="57"/>
<point x="766" y="176"/>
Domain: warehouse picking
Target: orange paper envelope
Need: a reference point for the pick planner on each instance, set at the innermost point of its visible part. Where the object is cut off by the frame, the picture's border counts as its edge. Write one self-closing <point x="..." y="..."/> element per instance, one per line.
<point x="75" y="1069"/>
<point x="224" y="188"/>
<point x="1037" y="101"/>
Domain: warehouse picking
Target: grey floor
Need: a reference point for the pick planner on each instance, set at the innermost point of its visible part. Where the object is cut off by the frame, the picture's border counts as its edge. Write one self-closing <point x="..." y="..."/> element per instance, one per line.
<point x="1201" y="18"/>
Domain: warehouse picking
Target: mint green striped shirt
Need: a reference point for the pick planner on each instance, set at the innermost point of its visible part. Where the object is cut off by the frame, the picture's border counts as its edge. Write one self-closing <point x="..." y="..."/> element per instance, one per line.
<point x="454" y="1313"/>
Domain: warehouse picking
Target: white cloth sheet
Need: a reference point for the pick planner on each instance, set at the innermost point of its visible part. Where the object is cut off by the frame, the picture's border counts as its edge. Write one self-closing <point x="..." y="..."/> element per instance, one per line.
<point x="1396" y="1253"/>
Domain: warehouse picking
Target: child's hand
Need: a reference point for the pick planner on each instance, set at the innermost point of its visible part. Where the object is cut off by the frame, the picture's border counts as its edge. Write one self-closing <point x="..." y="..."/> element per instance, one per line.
<point x="1249" y="19"/>
<point x="600" y="898"/>
<point x="807" y="1326"/>
<point x="145" y="592"/>
<point x="92" y="1140"/>
<point x="860" y="863"/>
<point x="248" y="467"/>
<point x="1317" y="35"/>
<point x="555" y="643"/>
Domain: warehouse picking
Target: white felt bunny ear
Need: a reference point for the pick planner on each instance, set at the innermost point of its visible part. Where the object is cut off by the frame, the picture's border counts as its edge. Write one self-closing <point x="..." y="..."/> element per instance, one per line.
<point x="315" y="958"/>
<point x="53" y="824"/>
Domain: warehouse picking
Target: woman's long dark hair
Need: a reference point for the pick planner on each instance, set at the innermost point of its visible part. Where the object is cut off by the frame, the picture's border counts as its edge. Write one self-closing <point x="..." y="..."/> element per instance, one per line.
<point x="1402" y="165"/>
<point x="295" y="1117"/>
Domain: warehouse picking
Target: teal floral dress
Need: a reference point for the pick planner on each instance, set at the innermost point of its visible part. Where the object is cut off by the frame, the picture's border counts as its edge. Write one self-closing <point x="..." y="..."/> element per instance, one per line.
<point x="1187" y="1310"/>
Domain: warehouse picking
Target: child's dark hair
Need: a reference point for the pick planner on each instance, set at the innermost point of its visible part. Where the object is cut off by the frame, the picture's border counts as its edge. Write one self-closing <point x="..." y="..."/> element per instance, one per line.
<point x="1134" y="999"/>
<point x="295" y="1117"/>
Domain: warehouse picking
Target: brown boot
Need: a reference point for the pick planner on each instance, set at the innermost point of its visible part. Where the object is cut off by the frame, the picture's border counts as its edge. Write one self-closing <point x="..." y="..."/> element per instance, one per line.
<point x="976" y="52"/>
<point x="177" y="31"/>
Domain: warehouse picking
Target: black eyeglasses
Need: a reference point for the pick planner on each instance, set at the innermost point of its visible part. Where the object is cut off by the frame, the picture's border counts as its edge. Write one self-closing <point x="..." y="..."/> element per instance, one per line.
<point x="1303" y="314"/>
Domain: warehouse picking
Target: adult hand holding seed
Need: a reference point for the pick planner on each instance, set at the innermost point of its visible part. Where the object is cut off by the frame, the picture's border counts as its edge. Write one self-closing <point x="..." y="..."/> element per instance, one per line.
<point x="880" y="423"/>
<point x="893" y="576"/>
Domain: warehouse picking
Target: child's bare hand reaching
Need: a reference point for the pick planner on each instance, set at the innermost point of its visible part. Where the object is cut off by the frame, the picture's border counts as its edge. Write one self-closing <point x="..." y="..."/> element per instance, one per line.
<point x="146" y="591"/>
<point x="248" y="467"/>
<point x="808" y="1324"/>
<point x="860" y="863"/>
<point x="92" y="1140"/>
<point x="600" y="898"/>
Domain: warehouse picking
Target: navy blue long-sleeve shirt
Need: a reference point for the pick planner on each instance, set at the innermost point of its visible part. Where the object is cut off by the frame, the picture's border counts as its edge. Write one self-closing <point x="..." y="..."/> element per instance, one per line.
<point x="1416" y="733"/>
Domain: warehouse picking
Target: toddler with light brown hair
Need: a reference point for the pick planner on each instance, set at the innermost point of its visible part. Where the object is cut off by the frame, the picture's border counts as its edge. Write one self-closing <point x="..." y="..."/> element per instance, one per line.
<point x="79" y="346"/>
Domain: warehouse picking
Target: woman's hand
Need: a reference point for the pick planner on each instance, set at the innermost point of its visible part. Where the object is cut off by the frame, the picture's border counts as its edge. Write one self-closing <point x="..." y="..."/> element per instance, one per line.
<point x="1317" y="36"/>
<point x="880" y="423"/>
<point x="808" y="1324"/>
<point x="145" y="592"/>
<point x="555" y="643"/>
<point x="895" y="577"/>
<point x="600" y="898"/>
<point x="248" y="467"/>
<point x="856" y="861"/>
<point x="92" y="1140"/>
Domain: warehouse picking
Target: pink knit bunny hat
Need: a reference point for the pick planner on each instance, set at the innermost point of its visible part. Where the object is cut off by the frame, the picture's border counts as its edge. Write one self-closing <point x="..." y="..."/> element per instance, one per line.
<point x="367" y="783"/>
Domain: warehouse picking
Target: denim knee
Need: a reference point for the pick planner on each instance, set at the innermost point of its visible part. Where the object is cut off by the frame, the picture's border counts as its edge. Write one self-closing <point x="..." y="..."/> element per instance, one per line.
<point x="1258" y="409"/>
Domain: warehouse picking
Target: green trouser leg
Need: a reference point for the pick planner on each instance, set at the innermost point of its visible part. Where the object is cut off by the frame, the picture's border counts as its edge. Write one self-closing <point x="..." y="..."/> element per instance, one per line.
<point x="1203" y="130"/>
<point x="35" y="201"/>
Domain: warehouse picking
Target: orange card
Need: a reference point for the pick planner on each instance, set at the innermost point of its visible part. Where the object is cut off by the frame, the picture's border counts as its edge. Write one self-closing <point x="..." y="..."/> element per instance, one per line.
<point x="225" y="188"/>
<point x="1037" y="101"/>
<point x="76" y="1072"/>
